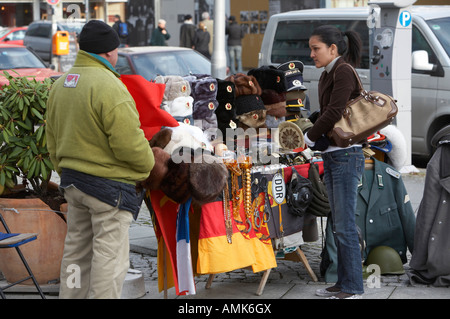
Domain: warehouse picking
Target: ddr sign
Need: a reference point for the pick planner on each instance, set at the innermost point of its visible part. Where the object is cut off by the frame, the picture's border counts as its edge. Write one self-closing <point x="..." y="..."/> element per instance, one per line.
<point x="278" y="188"/>
<point x="53" y="2"/>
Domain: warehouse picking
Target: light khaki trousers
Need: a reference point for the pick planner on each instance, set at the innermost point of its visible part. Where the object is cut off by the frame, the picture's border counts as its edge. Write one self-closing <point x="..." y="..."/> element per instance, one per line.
<point x="96" y="251"/>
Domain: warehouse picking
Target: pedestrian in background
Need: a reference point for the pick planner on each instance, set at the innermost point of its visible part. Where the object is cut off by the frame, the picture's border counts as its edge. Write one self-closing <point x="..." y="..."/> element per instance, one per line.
<point x="343" y="167"/>
<point x="187" y="32"/>
<point x="209" y="25"/>
<point x="201" y="40"/>
<point x="122" y="30"/>
<point x="98" y="149"/>
<point x="235" y="35"/>
<point x="160" y="34"/>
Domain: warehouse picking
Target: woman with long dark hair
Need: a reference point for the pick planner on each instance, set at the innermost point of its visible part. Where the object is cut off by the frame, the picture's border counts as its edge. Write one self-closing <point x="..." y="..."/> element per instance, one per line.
<point x="343" y="167"/>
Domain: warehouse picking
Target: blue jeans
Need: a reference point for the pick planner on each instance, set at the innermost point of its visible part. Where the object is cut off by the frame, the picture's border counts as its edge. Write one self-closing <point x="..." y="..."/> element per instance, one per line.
<point x="235" y="55"/>
<point x="343" y="170"/>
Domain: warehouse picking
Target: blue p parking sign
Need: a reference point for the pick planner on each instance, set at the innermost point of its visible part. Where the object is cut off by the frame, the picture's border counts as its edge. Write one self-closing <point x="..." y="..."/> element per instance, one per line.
<point x="405" y="18"/>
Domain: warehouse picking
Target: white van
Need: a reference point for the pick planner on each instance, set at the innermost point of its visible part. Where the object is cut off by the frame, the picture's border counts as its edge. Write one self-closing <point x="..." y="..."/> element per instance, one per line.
<point x="287" y="35"/>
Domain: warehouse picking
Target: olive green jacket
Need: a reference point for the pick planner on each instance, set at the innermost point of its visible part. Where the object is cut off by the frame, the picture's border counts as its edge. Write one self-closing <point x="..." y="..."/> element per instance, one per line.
<point x="93" y="124"/>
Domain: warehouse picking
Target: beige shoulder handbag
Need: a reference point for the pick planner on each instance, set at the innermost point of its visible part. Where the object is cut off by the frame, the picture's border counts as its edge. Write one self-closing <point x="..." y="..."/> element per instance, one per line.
<point x="363" y="116"/>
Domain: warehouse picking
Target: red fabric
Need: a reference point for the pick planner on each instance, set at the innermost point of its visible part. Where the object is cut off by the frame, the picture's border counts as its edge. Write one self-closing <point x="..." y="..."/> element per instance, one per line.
<point x="166" y="212"/>
<point x="303" y="170"/>
<point x="148" y="97"/>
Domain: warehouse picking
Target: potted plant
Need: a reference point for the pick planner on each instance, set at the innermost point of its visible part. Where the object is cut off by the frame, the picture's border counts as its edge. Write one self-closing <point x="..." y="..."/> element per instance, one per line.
<point x="28" y="200"/>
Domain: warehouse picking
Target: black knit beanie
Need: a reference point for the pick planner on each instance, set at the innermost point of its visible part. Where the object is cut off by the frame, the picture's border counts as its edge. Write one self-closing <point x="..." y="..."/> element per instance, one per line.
<point x="98" y="37"/>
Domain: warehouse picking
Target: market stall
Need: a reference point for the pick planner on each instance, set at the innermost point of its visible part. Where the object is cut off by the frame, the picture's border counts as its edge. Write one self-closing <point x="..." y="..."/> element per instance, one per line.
<point x="233" y="186"/>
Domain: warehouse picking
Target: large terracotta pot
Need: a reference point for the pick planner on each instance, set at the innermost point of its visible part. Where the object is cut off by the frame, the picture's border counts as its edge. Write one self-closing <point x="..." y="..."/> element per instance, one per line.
<point x="44" y="254"/>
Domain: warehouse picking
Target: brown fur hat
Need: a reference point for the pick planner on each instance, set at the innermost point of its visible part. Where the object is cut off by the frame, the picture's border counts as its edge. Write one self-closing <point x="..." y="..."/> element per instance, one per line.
<point x="158" y="172"/>
<point x="208" y="176"/>
<point x="277" y="109"/>
<point x="255" y="119"/>
<point x="162" y="138"/>
<point x="245" y="84"/>
<point x="176" y="182"/>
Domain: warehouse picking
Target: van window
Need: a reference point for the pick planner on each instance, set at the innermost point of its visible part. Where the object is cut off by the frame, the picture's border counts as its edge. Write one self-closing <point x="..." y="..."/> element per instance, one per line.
<point x="440" y="28"/>
<point x="291" y="41"/>
<point x="420" y="43"/>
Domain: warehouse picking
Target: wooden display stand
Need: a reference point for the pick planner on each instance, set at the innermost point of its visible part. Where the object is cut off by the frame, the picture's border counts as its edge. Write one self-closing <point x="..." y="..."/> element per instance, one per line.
<point x="297" y="256"/>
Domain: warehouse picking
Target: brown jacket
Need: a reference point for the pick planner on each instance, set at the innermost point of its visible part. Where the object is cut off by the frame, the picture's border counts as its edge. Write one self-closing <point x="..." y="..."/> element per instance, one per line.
<point x="335" y="90"/>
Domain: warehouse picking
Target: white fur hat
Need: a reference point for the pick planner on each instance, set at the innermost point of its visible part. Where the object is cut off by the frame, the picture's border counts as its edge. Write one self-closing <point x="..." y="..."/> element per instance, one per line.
<point x="181" y="106"/>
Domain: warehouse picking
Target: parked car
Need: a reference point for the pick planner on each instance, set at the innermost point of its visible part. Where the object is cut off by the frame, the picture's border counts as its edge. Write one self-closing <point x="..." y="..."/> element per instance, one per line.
<point x="13" y="35"/>
<point x="287" y="35"/>
<point x="16" y="58"/>
<point x="39" y="36"/>
<point x="152" y="61"/>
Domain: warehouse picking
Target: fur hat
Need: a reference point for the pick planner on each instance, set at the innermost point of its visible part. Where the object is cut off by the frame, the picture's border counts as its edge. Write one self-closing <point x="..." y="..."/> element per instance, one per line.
<point x="277" y="109"/>
<point x="209" y="126"/>
<point x="179" y="107"/>
<point x="274" y="102"/>
<point x="273" y="122"/>
<point x="175" y="183"/>
<point x="245" y="84"/>
<point x="204" y="109"/>
<point x="226" y="90"/>
<point x="226" y="109"/>
<point x="269" y="77"/>
<point x="208" y="176"/>
<point x="203" y="178"/>
<point x="204" y="88"/>
<point x="158" y="172"/>
<point x="185" y="136"/>
<point x="176" y="86"/>
<point x="248" y="103"/>
<point x="98" y="37"/>
<point x="270" y="96"/>
<point x="255" y="119"/>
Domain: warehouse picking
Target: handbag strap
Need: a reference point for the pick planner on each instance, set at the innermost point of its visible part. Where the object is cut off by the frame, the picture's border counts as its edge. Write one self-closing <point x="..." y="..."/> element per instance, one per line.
<point x="361" y="87"/>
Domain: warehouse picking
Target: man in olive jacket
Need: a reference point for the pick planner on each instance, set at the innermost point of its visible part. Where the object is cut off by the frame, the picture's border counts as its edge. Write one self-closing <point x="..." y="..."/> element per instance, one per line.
<point x="97" y="147"/>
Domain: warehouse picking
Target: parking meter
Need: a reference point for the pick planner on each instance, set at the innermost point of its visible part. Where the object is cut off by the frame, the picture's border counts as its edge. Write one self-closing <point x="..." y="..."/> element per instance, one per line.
<point x="390" y="65"/>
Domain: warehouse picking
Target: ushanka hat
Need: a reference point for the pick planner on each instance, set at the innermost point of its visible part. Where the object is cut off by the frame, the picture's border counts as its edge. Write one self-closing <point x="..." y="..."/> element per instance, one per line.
<point x="245" y="84"/>
<point x="226" y="108"/>
<point x="275" y="102"/>
<point x="226" y="100"/>
<point x="248" y="103"/>
<point x="176" y="86"/>
<point x="204" y="88"/>
<point x="269" y="77"/>
<point x="293" y="72"/>
<point x="98" y="37"/>
<point x="250" y="110"/>
<point x="180" y="108"/>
